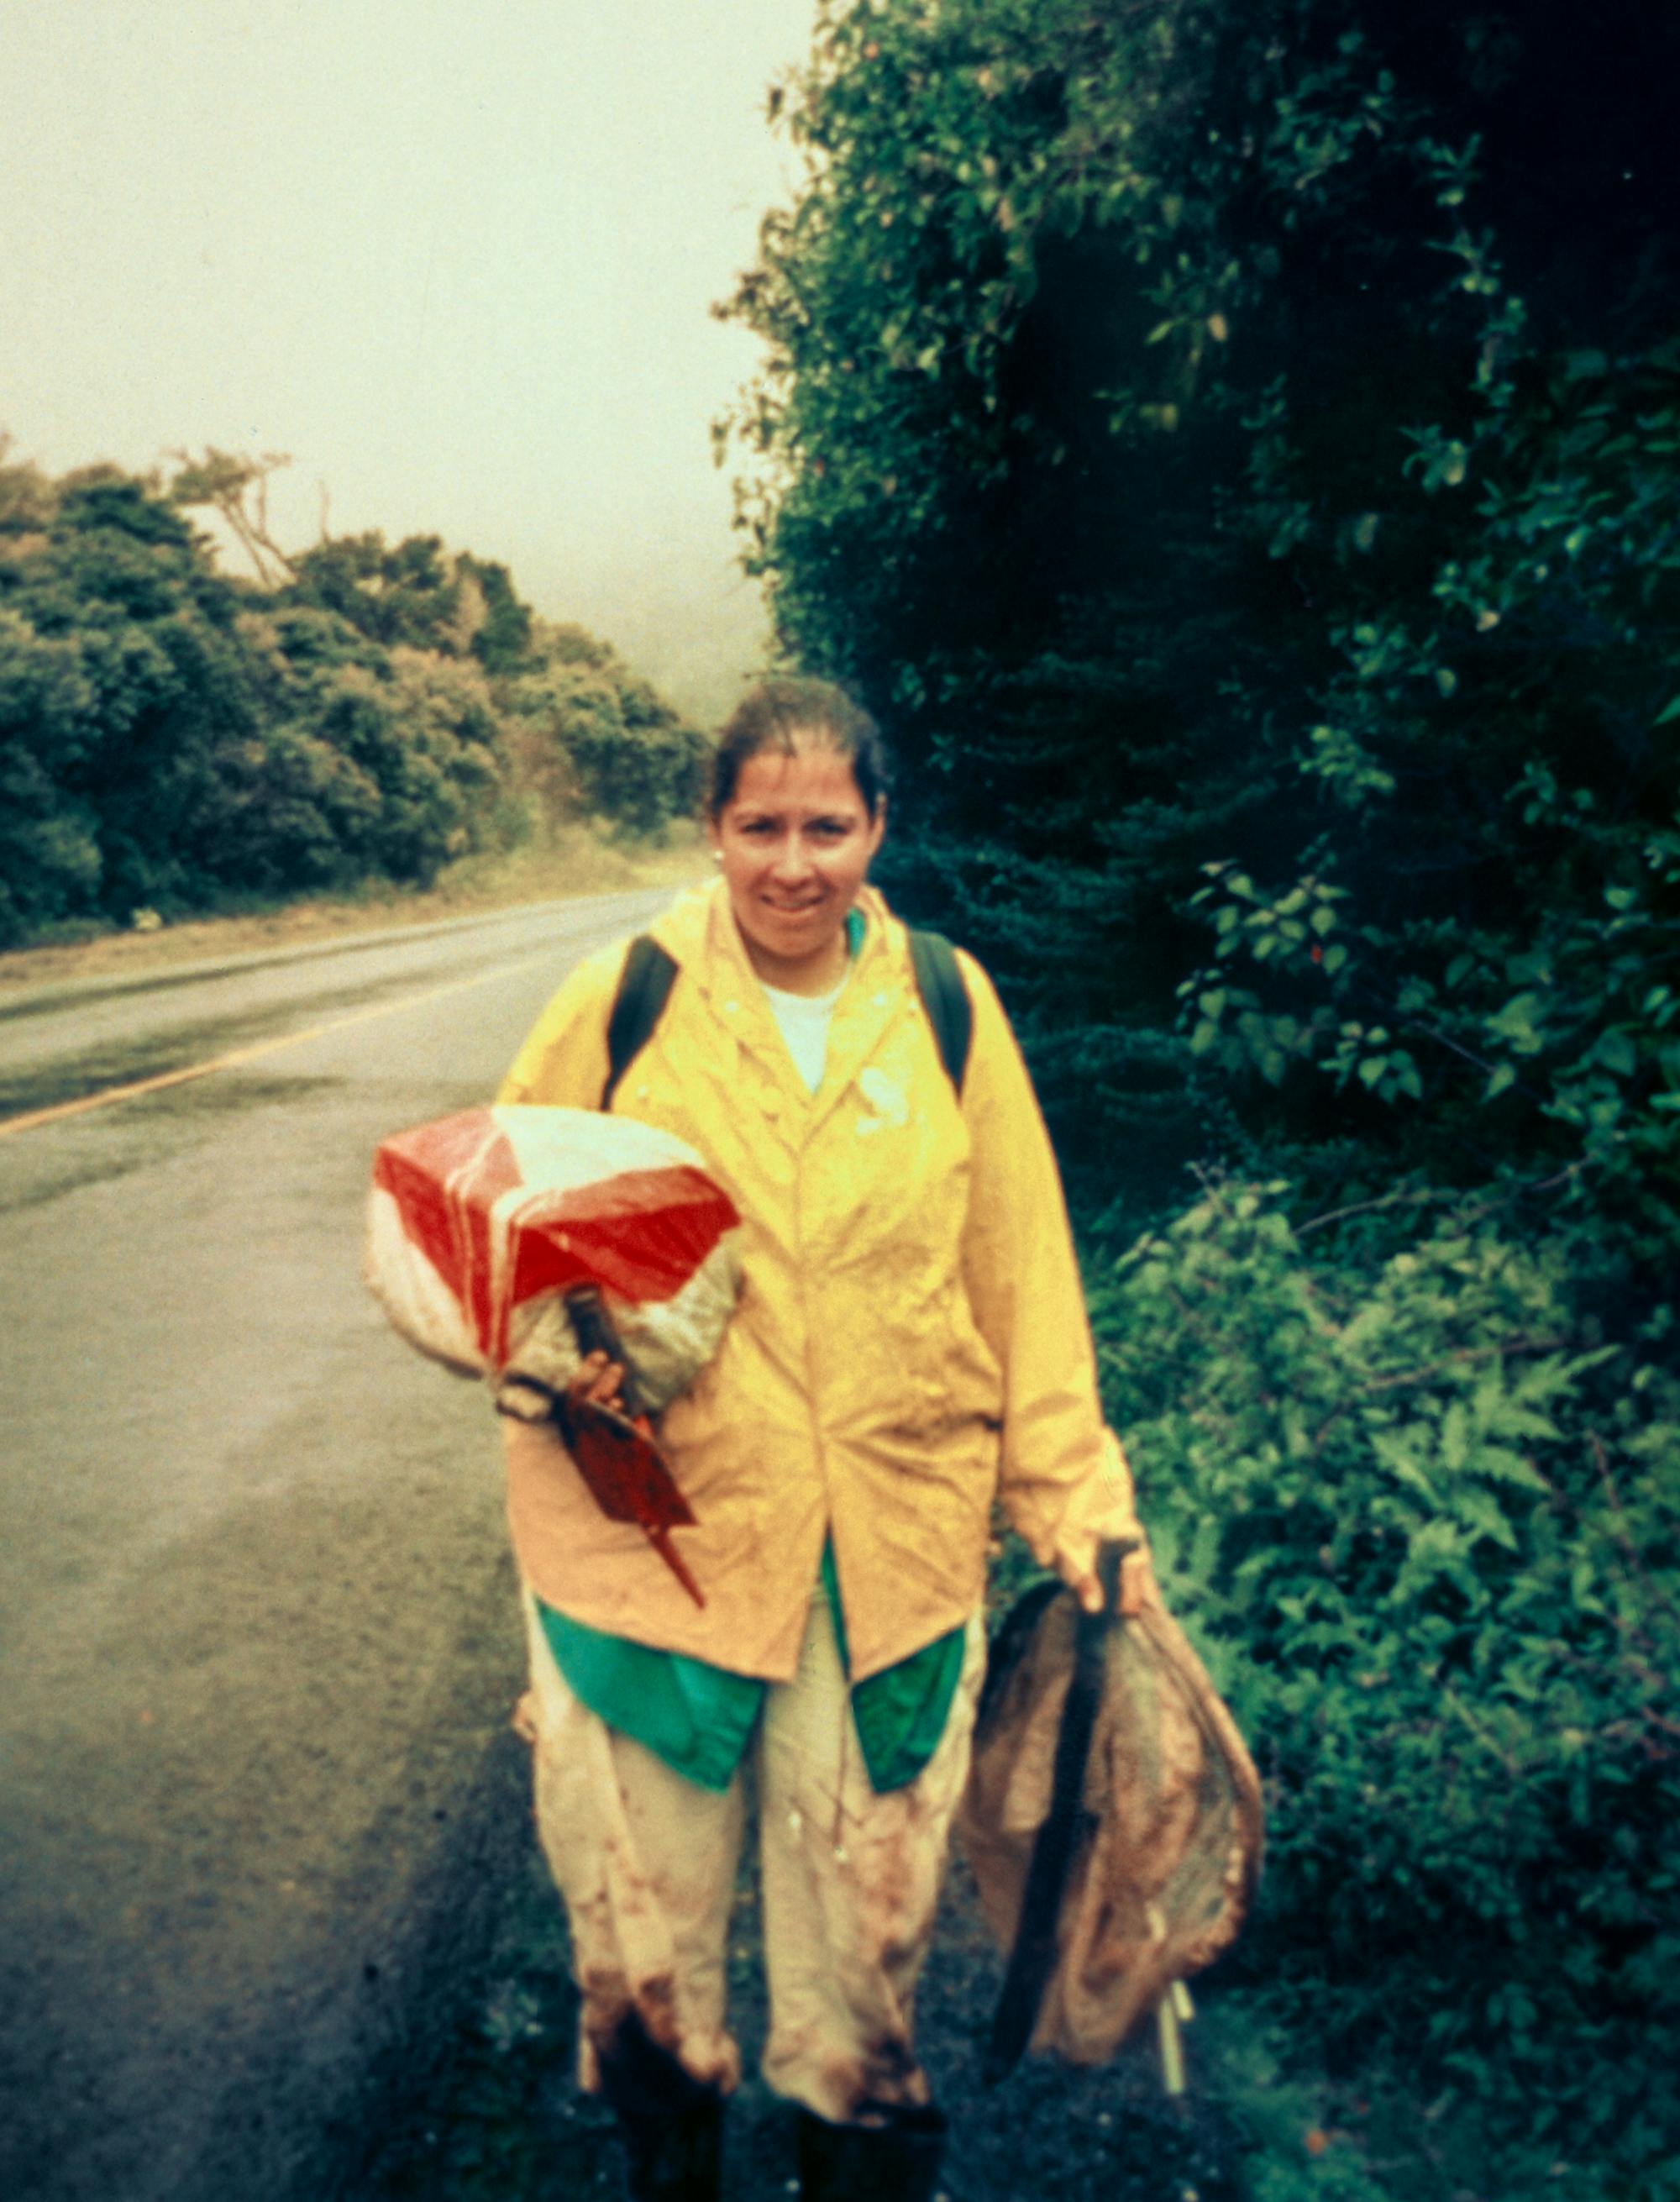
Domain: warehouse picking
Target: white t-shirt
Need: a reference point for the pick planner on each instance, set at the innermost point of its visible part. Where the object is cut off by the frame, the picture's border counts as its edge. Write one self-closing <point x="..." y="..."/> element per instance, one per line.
<point x="804" y="1019"/>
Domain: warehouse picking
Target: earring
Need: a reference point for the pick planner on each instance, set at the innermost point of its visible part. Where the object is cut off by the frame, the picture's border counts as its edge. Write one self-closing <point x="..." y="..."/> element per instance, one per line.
<point x="717" y="856"/>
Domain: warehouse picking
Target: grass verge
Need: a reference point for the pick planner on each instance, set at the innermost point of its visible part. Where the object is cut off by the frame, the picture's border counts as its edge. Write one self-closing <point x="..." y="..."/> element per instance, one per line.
<point x="574" y="862"/>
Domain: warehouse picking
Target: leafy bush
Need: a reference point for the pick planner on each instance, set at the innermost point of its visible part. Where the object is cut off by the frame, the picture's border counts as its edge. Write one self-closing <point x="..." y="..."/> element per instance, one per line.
<point x="122" y="682"/>
<point x="612" y="747"/>
<point x="1421" y="1520"/>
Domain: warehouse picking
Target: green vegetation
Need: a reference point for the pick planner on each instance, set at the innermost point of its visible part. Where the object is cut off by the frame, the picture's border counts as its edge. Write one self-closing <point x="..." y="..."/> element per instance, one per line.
<point x="174" y="740"/>
<point x="1238" y="450"/>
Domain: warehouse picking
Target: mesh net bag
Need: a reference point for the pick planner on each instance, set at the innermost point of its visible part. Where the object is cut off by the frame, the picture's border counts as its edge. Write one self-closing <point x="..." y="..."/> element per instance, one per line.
<point x="1166" y="1851"/>
<point x="479" y="1224"/>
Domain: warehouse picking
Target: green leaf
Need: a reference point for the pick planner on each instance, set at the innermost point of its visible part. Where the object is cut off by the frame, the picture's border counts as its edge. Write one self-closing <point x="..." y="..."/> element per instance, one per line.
<point x="1482" y="1511"/>
<point x="1516" y="1023"/>
<point x="1455" y="1436"/>
<point x="1505" y="1466"/>
<point x="1398" y="1451"/>
<point x="1616" y="1051"/>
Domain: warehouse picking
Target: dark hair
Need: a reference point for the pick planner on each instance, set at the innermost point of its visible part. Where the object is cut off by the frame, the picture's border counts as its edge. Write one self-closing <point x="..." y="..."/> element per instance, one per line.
<point x="780" y="713"/>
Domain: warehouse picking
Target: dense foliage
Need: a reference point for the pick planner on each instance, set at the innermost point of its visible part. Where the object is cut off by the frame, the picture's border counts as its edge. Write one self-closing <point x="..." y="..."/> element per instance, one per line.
<point x="632" y="758"/>
<point x="1237" y="449"/>
<point x="171" y="738"/>
<point x="1428" y="1526"/>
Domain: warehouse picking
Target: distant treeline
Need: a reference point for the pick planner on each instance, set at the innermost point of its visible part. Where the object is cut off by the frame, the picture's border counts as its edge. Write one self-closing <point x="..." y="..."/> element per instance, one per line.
<point x="172" y="738"/>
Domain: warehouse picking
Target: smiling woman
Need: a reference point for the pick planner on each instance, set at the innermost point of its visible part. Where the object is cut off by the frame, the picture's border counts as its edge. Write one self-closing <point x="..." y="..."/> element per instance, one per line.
<point x="910" y="1340"/>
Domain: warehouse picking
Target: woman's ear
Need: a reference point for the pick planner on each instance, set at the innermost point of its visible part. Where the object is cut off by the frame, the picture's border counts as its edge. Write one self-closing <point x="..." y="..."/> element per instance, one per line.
<point x="878" y="826"/>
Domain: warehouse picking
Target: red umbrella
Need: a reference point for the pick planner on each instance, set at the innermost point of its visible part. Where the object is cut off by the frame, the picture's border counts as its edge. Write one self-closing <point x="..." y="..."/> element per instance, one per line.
<point x="483" y="1224"/>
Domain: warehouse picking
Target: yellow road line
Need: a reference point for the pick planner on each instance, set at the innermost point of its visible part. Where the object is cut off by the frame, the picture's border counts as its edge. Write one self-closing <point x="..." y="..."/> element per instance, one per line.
<point x="235" y="1056"/>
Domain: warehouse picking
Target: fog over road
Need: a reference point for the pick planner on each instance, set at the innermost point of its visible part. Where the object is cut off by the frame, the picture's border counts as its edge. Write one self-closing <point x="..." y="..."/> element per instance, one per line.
<point x="258" y="1634"/>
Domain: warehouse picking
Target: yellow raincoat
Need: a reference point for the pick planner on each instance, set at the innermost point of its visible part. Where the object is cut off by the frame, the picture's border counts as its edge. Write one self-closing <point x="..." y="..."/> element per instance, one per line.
<point x="911" y="1335"/>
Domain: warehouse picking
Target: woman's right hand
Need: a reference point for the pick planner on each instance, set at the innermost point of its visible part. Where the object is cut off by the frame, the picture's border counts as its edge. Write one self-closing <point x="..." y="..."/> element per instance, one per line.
<point x="596" y="1384"/>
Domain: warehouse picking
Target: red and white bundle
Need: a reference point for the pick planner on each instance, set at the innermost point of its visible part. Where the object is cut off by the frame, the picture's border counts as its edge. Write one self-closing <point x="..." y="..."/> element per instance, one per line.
<point x="478" y="1226"/>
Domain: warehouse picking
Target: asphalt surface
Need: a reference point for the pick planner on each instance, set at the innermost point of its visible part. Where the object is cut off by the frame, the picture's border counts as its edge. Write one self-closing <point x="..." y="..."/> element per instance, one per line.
<point x="256" y="1792"/>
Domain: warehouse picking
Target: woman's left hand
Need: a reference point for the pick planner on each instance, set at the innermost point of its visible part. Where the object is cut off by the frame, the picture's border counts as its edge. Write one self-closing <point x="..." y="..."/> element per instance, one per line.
<point x="1136" y="1582"/>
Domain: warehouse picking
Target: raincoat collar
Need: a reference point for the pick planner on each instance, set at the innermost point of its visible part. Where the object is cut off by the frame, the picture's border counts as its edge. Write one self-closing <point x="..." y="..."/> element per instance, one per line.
<point x="699" y="932"/>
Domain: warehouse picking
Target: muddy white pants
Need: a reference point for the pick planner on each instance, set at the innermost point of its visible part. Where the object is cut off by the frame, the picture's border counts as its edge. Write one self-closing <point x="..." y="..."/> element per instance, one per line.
<point x="646" y="1863"/>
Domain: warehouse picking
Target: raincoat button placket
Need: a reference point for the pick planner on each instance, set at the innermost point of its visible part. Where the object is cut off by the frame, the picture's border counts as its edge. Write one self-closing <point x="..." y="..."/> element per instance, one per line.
<point x="804" y="1279"/>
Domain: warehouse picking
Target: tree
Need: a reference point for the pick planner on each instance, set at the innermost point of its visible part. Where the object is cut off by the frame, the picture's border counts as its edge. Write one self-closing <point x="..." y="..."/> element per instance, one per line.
<point x="603" y="738"/>
<point x="381" y="763"/>
<point x="502" y="639"/>
<point x="238" y="489"/>
<point x="121" y="683"/>
<point x="1161" y="404"/>
<point x="409" y="593"/>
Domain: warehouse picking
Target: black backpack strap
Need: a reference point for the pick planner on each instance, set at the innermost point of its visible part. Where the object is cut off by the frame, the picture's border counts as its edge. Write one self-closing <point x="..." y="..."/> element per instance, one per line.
<point x="945" y="997"/>
<point x="648" y="973"/>
<point x="644" y="985"/>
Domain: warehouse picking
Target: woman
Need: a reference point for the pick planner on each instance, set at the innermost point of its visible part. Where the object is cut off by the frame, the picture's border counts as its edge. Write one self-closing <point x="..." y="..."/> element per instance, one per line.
<point x="910" y="1340"/>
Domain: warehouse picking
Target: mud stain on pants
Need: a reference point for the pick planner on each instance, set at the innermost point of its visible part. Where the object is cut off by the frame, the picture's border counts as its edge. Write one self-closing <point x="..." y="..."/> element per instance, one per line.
<point x="646" y="1863"/>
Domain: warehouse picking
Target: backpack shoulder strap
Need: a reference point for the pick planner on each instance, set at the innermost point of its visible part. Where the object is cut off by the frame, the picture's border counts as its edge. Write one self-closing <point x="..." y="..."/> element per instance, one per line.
<point x="644" y="985"/>
<point x="648" y="973"/>
<point x="945" y="997"/>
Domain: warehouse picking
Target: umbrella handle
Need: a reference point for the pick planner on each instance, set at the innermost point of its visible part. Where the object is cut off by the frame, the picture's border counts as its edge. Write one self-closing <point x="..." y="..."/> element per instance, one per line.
<point x="592" y="1327"/>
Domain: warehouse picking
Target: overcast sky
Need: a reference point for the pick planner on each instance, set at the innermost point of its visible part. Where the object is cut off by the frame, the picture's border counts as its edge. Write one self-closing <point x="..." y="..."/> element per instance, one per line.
<point x="454" y="256"/>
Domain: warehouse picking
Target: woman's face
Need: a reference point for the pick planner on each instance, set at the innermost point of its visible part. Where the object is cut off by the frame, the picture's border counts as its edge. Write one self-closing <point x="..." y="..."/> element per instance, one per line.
<point x="795" y="841"/>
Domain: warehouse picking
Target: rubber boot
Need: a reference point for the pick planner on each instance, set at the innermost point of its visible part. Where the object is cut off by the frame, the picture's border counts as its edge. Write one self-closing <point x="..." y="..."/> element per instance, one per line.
<point x="670" y="2123"/>
<point x="896" y="2161"/>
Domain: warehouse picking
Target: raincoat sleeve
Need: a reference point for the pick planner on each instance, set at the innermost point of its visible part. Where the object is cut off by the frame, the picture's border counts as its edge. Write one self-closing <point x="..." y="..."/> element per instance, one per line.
<point x="1065" y="1482"/>
<point x="563" y="1063"/>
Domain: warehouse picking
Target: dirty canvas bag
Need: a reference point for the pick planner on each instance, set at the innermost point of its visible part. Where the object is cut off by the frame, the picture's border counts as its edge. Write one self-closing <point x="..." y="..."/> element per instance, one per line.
<point x="1166" y="1832"/>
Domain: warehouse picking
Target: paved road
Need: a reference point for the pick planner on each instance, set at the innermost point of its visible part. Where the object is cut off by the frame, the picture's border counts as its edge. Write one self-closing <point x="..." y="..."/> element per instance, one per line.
<point x="254" y="1609"/>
